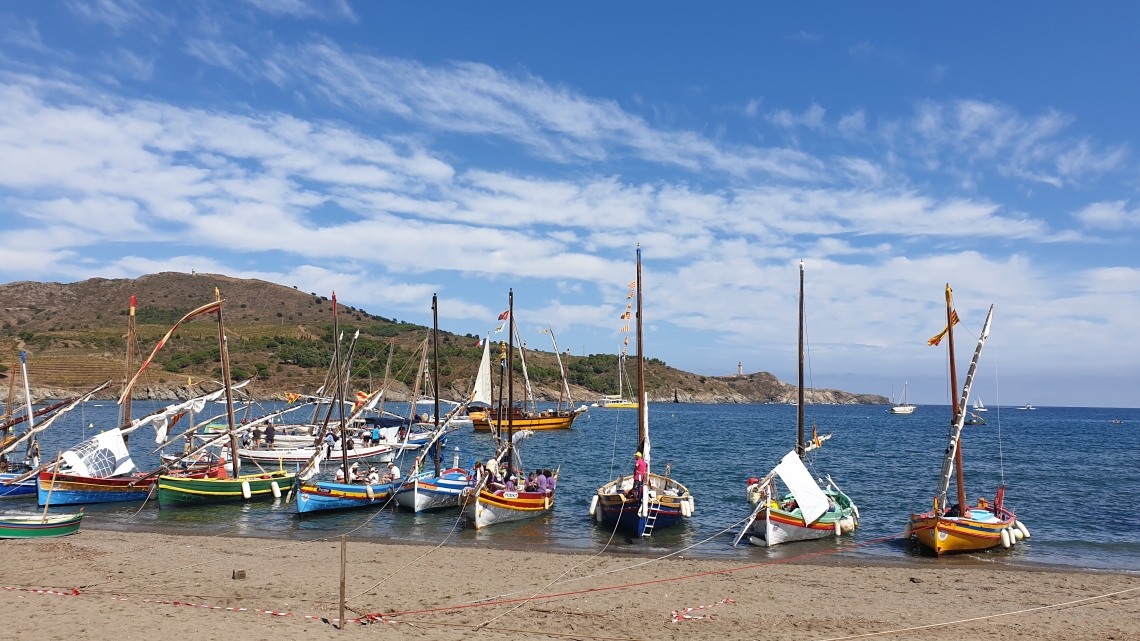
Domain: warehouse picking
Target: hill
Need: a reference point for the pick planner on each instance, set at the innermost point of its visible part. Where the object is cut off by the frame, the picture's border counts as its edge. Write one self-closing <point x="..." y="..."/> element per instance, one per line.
<point x="75" y="334"/>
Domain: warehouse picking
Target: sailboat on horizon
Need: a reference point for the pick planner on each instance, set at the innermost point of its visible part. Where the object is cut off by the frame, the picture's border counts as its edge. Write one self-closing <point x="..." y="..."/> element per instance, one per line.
<point x="904" y="408"/>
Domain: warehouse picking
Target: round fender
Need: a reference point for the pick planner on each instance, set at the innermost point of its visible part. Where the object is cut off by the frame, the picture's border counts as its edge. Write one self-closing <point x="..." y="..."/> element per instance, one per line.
<point x="594" y="505"/>
<point x="276" y="489"/>
<point x="245" y="493"/>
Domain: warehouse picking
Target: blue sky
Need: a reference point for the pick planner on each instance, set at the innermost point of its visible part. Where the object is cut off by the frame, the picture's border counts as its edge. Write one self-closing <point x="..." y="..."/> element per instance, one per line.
<point x="392" y="150"/>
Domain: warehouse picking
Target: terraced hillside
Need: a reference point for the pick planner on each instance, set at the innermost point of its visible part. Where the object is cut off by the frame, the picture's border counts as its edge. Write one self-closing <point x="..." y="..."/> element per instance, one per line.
<point x="75" y="335"/>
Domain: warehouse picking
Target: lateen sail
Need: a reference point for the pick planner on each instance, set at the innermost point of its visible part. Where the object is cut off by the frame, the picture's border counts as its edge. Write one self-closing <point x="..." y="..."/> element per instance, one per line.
<point x="100" y="457"/>
<point x="482" y="391"/>
<point x="812" y="501"/>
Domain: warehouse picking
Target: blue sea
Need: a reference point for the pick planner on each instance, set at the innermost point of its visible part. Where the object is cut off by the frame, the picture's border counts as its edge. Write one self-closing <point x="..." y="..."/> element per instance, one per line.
<point x="1071" y="474"/>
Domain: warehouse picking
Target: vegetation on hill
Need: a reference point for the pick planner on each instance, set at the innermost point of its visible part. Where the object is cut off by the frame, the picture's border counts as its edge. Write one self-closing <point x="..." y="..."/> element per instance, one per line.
<point x="76" y="335"/>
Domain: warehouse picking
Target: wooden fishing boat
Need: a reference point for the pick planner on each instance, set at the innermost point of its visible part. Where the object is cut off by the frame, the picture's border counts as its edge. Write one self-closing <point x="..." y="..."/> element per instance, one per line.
<point x="13" y="488"/>
<point x="72" y="489"/>
<point x="487" y="507"/>
<point x="179" y="490"/>
<point x="328" y="495"/>
<point x="36" y="526"/>
<point x="949" y="528"/>
<point x="806" y="511"/>
<point x="548" y="420"/>
<point x="657" y="501"/>
<point x="488" y="502"/>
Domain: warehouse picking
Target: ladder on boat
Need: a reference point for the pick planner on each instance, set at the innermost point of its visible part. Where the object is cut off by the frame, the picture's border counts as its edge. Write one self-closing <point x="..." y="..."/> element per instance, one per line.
<point x="651" y="517"/>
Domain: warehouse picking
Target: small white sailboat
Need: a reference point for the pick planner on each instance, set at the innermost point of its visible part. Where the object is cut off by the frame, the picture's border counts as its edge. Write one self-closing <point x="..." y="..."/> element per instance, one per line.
<point x="978" y="405"/>
<point x="1028" y="406"/>
<point x="904" y="408"/>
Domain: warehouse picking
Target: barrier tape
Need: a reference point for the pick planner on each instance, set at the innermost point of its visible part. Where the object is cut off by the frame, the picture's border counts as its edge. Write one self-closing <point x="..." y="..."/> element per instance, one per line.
<point x="73" y="592"/>
<point x="682" y="615"/>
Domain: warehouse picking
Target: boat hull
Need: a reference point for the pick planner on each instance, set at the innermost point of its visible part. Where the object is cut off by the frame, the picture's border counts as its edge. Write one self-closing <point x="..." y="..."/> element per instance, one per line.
<point x="379" y="453"/>
<point x="20" y="490"/>
<point x="178" y="491"/>
<point x="626" y="511"/>
<point x="949" y="535"/>
<point x="326" y="495"/>
<point x="902" y="409"/>
<point x="30" y="527"/>
<point x="563" y="422"/>
<point x="427" y="492"/>
<point x="488" y="508"/>
<point x="68" y="489"/>
<point x="775" y="526"/>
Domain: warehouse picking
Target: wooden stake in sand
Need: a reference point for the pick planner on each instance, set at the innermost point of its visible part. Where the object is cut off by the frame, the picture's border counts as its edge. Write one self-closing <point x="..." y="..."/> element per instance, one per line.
<point x="343" y="556"/>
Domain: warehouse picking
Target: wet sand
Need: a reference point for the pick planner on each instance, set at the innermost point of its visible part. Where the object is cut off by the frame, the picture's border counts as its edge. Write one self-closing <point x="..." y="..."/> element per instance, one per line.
<point x="797" y="600"/>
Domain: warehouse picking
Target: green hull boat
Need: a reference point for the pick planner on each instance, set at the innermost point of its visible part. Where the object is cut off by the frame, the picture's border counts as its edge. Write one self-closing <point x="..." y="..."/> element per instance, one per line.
<point x="34" y="526"/>
<point x="175" y="490"/>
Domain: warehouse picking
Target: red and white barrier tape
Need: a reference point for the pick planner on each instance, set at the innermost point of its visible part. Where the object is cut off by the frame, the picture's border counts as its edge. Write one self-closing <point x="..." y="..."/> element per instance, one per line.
<point x="682" y="615"/>
<point x="73" y="592"/>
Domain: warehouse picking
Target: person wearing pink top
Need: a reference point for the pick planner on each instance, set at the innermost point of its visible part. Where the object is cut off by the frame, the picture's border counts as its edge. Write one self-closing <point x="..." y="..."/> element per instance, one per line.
<point x="640" y="470"/>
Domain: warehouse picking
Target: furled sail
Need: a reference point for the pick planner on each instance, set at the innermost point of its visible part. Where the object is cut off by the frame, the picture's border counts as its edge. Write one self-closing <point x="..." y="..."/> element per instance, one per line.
<point x="812" y="501"/>
<point x="102" y="456"/>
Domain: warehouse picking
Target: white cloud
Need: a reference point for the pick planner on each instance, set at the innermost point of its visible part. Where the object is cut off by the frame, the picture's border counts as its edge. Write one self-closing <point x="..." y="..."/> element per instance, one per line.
<point x="811" y="118"/>
<point x="119" y="15"/>
<point x="853" y="123"/>
<point x="323" y="9"/>
<point x="1113" y="215"/>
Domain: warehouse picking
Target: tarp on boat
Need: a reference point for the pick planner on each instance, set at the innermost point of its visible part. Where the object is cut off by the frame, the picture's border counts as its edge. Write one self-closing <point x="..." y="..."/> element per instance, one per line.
<point x="812" y="501"/>
<point x="100" y="457"/>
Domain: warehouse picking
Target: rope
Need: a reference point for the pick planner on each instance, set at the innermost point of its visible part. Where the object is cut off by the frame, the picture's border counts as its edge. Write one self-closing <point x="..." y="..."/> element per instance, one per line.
<point x="982" y="618"/>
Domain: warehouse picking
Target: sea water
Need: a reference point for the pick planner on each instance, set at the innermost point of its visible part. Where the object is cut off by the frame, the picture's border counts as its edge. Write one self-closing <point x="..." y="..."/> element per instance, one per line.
<point x="1071" y="475"/>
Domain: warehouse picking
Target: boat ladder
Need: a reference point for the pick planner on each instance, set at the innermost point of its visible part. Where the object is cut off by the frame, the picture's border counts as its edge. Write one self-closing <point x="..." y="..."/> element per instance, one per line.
<point x="651" y="517"/>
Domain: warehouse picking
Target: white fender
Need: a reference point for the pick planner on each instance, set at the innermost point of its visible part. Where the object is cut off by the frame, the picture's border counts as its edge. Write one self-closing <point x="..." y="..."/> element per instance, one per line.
<point x="856" y="509"/>
<point x="1016" y="533"/>
<point x="598" y="513"/>
<point x="1021" y="528"/>
<point x="838" y="528"/>
<point x="594" y="505"/>
<point x="369" y="492"/>
<point x="1005" y="538"/>
<point x="245" y="493"/>
<point x="906" y="531"/>
<point x="1012" y="539"/>
<point x="276" y="489"/>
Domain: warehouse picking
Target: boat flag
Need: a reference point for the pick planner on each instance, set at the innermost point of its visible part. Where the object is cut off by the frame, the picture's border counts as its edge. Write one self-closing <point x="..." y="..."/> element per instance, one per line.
<point x="361" y="398"/>
<point x="633" y="284"/>
<point x="627" y="340"/>
<point x="204" y="309"/>
<point x="480" y="343"/>
<point x="504" y="315"/>
<point x="625" y="316"/>
<point x="626" y="328"/>
<point x="291" y="397"/>
<point x="938" y="339"/>
<point x="499" y="329"/>
<point x="544" y="331"/>
<point x="629" y="296"/>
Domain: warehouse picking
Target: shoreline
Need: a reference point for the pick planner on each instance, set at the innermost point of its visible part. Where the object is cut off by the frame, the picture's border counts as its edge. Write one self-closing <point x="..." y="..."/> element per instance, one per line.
<point x="446" y="591"/>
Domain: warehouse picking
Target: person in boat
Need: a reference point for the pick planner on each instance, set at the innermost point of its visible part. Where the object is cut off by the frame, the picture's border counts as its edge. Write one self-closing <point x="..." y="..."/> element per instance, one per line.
<point x="354" y="473"/>
<point x="754" y="492"/>
<point x="349" y="443"/>
<point x="640" y="470"/>
<point x="270" y="434"/>
<point x="550" y="479"/>
<point x="366" y="438"/>
<point x="531" y="484"/>
<point x="475" y="478"/>
<point x="541" y="480"/>
<point x="393" y="473"/>
<point x="511" y="483"/>
<point x="340" y="474"/>
<point x="373" y="475"/>
<point x="256" y="437"/>
<point x="330" y="440"/>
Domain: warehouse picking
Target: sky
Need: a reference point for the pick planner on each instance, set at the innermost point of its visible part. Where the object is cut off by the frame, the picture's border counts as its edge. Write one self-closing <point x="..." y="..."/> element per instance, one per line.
<point x="393" y="150"/>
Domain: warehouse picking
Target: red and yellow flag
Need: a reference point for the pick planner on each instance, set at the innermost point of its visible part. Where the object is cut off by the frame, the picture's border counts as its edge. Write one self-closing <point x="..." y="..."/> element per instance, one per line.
<point x="625" y="316"/>
<point x="291" y="397"/>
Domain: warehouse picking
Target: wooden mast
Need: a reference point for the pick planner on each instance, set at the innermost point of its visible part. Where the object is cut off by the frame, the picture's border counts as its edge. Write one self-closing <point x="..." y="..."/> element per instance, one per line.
<point x="339" y="400"/>
<point x="225" y="354"/>
<point x="130" y="365"/>
<point x="510" y="383"/>
<point x="954" y="398"/>
<point x="387" y="373"/>
<point x="800" y="394"/>
<point x="435" y="379"/>
<point x="642" y="409"/>
<point x="502" y="374"/>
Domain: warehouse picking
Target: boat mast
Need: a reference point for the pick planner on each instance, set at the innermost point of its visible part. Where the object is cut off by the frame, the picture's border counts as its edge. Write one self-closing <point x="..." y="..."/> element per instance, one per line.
<point x="130" y="364"/>
<point x="28" y="453"/>
<point x="339" y="398"/>
<point x="953" y="449"/>
<point x="387" y="373"/>
<point x="642" y="401"/>
<point x="435" y="378"/>
<point x="800" y="394"/>
<point x="225" y="354"/>
<point x="510" y="384"/>
<point x="502" y="374"/>
<point x="565" y="391"/>
<point x="954" y="397"/>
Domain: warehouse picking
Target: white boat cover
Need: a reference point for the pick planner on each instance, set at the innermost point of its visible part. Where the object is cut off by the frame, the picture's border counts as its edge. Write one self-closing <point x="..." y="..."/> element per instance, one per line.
<point x="100" y="457"/>
<point x="812" y="501"/>
<point x="482" y="391"/>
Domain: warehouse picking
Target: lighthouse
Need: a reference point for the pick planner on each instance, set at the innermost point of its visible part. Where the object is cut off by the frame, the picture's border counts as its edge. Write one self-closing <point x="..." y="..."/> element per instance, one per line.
<point x="740" y="368"/>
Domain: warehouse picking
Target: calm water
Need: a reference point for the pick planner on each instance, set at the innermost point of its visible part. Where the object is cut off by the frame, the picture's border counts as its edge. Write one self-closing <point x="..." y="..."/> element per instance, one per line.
<point x="1071" y="475"/>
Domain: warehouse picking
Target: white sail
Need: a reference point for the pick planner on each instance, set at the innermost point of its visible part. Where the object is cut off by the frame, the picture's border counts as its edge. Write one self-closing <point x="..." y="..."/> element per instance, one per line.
<point x="482" y="391"/>
<point x="812" y="501"/>
<point x="100" y="457"/>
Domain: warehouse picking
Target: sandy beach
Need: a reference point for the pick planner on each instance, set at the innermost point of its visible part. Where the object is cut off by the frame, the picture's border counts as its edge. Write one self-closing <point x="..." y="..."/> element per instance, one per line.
<point x="447" y="592"/>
